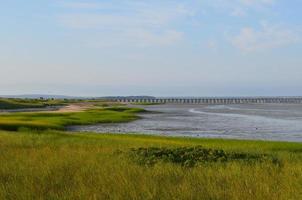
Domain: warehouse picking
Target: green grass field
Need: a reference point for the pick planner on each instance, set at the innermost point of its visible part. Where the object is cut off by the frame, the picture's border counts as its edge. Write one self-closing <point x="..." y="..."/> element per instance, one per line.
<point x="38" y="163"/>
<point x="56" y="165"/>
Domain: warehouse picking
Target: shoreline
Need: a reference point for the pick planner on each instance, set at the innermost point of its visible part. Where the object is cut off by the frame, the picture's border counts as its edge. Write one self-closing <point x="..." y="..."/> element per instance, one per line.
<point x="72" y="131"/>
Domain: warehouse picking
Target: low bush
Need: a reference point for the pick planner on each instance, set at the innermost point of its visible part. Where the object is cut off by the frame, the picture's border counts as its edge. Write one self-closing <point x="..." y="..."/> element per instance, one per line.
<point x="28" y="103"/>
<point x="191" y="156"/>
<point x="125" y="109"/>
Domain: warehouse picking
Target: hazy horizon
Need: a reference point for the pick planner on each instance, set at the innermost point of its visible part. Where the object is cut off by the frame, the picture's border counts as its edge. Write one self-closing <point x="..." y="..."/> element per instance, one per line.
<point x="158" y="48"/>
<point x="52" y="95"/>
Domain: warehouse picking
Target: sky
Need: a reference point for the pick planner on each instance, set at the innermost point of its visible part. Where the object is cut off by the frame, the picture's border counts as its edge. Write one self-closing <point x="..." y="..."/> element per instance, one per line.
<point x="151" y="47"/>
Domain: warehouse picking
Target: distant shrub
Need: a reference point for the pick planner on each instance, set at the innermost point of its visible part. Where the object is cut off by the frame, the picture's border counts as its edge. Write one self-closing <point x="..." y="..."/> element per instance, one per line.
<point x="191" y="156"/>
<point x="125" y="109"/>
<point x="27" y="103"/>
<point x="118" y="109"/>
<point x="146" y="103"/>
<point x="12" y="104"/>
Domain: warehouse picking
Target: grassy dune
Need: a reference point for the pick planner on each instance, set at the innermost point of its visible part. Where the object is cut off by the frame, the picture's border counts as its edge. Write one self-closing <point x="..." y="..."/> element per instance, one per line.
<point x="56" y="165"/>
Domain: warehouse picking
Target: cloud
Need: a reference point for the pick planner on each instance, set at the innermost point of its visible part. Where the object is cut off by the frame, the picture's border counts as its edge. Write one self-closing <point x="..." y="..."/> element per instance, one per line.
<point x="243" y="7"/>
<point x="128" y="16"/>
<point x="238" y="12"/>
<point x="257" y="2"/>
<point x="239" y="8"/>
<point x="154" y="24"/>
<point x="146" y="38"/>
<point x="268" y="37"/>
<point x="211" y="44"/>
<point x="103" y="21"/>
<point x="81" y="5"/>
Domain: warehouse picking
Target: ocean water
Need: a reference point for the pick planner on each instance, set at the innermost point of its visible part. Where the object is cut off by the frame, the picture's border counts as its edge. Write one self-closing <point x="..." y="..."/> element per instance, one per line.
<point x="280" y="122"/>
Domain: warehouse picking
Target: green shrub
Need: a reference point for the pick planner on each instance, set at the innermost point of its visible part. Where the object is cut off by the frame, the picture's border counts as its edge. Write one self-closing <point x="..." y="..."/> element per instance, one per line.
<point x="191" y="156"/>
<point x="27" y="103"/>
<point x="125" y="109"/>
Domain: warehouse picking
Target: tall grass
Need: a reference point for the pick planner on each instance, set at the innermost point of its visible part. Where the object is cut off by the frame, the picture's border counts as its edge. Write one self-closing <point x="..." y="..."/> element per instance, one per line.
<point x="55" y="165"/>
<point x="37" y="163"/>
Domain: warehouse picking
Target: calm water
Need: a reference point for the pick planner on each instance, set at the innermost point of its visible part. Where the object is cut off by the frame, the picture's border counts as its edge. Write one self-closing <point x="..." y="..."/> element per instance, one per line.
<point x="264" y="121"/>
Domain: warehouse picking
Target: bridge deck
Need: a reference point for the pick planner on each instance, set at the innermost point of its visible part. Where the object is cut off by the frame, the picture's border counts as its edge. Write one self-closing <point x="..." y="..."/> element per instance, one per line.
<point x="239" y="100"/>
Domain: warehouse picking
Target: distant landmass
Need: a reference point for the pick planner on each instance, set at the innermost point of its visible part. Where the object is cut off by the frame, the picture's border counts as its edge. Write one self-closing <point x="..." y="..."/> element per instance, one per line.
<point x="44" y="96"/>
<point x="49" y="96"/>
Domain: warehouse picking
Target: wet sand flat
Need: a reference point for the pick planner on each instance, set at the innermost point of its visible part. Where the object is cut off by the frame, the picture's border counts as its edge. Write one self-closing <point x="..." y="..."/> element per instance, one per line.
<point x="281" y="122"/>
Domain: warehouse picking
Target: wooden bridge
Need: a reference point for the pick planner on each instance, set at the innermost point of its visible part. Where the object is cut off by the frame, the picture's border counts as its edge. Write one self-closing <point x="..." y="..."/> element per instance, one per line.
<point x="212" y="100"/>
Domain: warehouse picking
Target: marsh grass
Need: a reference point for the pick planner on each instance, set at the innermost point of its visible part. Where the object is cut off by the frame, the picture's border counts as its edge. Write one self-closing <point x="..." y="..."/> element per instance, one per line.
<point x="47" y="120"/>
<point x="57" y="165"/>
<point x="6" y="103"/>
<point x="38" y="163"/>
<point x="14" y="104"/>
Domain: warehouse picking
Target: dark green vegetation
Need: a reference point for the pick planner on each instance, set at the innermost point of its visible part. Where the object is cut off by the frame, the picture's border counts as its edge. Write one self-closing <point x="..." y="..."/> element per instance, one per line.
<point x="192" y="156"/>
<point x="28" y="103"/>
<point x="56" y="165"/>
<point x="58" y="121"/>
<point x="146" y="103"/>
<point x="125" y="109"/>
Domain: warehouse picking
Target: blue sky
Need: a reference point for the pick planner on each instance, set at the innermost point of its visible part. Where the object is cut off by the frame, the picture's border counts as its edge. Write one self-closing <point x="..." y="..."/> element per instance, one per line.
<point x="163" y="48"/>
